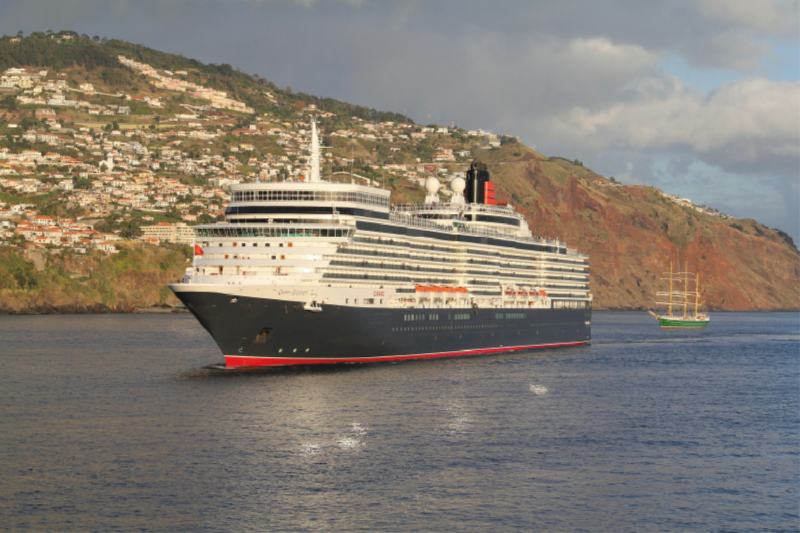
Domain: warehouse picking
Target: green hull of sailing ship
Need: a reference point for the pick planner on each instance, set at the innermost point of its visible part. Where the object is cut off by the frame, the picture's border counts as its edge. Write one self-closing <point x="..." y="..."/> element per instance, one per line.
<point x="667" y="322"/>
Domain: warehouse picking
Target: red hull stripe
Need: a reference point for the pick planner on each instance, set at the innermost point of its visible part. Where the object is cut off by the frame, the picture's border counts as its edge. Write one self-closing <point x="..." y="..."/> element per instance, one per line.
<point x="236" y="361"/>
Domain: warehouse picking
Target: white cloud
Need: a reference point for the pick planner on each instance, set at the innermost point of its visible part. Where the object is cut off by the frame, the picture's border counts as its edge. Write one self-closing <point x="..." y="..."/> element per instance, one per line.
<point x="771" y="16"/>
<point x="753" y="121"/>
<point x="486" y="80"/>
<point x="731" y="49"/>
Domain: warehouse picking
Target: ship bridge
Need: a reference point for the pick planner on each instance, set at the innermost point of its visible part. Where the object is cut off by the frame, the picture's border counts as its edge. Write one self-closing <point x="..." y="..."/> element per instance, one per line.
<point x="319" y="202"/>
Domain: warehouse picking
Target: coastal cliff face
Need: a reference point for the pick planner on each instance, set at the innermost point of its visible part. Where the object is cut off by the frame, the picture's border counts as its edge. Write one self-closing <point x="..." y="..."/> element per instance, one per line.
<point x="631" y="234"/>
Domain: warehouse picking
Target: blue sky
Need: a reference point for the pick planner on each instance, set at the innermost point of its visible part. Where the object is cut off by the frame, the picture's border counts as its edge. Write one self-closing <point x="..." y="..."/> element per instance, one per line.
<point x="697" y="97"/>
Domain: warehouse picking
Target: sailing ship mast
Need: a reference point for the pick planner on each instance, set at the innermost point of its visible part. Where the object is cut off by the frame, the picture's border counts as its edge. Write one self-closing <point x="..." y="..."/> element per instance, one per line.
<point x="685" y="281"/>
<point x="670" y="290"/>
<point x="696" y="294"/>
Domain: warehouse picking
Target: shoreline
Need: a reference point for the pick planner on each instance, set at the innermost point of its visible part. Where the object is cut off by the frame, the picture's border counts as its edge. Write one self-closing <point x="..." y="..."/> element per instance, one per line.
<point x="101" y="309"/>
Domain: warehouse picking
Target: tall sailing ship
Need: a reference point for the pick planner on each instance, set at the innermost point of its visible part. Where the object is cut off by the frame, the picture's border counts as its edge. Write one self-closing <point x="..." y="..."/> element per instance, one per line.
<point x="683" y="294"/>
<point x="313" y="272"/>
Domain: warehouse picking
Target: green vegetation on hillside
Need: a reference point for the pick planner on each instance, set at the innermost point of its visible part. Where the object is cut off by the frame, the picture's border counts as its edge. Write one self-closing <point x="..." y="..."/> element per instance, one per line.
<point x="42" y="50"/>
<point x="136" y="276"/>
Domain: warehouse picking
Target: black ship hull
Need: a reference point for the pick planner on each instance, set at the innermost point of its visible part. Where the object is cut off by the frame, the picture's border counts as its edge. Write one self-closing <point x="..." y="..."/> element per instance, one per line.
<point x="262" y="332"/>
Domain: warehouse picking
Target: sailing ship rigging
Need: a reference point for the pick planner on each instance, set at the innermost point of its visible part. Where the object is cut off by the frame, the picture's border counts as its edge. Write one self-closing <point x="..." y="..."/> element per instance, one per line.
<point x="683" y="295"/>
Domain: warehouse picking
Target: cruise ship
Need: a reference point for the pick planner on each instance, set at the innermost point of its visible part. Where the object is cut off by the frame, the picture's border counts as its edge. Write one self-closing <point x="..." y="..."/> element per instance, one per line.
<point x="316" y="272"/>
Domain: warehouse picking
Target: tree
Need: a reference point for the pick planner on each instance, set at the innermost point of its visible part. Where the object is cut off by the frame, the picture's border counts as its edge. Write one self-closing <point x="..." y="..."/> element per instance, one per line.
<point x="9" y="102"/>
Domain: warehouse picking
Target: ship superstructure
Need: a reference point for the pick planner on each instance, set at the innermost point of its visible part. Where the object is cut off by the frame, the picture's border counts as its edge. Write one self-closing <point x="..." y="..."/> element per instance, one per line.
<point x="316" y="271"/>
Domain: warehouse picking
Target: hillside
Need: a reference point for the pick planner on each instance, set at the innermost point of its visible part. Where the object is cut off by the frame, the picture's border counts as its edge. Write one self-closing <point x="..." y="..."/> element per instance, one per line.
<point x="631" y="234"/>
<point x="101" y="138"/>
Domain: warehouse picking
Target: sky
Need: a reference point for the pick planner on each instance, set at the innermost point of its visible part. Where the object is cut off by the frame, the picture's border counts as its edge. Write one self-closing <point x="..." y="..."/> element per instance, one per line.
<point x="700" y="98"/>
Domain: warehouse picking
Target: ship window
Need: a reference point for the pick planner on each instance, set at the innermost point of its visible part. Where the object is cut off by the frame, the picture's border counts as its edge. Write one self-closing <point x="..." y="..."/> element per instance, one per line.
<point x="273" y="257"/>
<point x="244" y="244"/>
<point x="347" y="300"/>
<point x="255" y="244"/>
<point x="220" y="244"/>
<point x="234" y="244"/>
<point x="226" y="256"/>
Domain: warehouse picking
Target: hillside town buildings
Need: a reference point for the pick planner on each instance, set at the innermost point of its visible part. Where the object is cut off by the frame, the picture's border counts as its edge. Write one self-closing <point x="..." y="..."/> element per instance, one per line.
<point x="165" y="175"/>
<point x="178" y="233"/>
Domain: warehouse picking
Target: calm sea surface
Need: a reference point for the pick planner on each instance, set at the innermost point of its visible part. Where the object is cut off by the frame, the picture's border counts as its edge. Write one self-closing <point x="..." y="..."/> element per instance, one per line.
<point x="121" y="423"/>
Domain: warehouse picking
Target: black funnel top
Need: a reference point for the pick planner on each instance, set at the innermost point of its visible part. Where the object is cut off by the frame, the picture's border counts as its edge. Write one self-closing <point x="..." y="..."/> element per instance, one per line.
<point x="479" y="189"/>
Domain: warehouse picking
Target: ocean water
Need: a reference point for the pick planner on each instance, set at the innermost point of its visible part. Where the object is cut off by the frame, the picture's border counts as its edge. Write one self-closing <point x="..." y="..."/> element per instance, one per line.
<point x="121" y="423"/>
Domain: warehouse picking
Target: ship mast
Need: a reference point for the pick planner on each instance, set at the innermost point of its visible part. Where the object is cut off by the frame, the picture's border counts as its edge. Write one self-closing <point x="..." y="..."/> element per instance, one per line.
<point x="696" y="294"/>
<point x="669" y="307"/>
<point x="685" y="279"/>
<point x="314" y="152"/>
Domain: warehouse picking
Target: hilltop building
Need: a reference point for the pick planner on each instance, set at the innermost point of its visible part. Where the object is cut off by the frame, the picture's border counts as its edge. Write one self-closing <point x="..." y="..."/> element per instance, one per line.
<point x="164" y="231"/>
